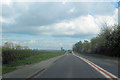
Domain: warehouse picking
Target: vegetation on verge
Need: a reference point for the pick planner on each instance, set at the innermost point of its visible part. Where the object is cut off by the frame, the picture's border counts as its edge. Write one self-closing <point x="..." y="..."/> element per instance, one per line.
<point x="106" y="43"/>
<point x="14" y="57"/>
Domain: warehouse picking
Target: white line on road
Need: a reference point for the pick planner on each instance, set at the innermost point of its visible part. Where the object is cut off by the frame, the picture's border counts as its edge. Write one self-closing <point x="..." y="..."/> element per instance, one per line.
<point x="99" y="69"/>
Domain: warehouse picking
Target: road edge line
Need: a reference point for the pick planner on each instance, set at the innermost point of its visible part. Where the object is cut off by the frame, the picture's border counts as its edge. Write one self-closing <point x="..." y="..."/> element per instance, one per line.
<point x="104" y="72"/>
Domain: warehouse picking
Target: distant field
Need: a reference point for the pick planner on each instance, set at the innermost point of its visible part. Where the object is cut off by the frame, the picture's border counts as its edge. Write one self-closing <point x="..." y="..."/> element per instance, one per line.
<point x="14" y="58"/>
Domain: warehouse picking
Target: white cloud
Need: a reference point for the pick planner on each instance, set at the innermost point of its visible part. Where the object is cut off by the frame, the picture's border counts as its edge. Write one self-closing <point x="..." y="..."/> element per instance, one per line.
<point x="61" y="44"/>
<point x="8" y="20"/>
<point x="77" y="25"/>
<point x="42" y="43"/>
<point x="115" y="14"/>
<point x="84" y="25"/>
<point x="64" y="2"/>
<point x="110" y="20"/>
<point x="6" y="2"/>
<point x="32" y="41"/>
<point x="72" y="10"/>
<point x="3" y="20"/>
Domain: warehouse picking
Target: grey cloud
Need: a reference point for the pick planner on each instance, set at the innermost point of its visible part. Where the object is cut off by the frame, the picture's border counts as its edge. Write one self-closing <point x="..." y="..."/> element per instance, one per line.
<point x="82" y="36"/>
<point x="37" y="14"/>
<point x="51" y="32"/>
<point x="32" y="15"/>
<point x="44" y="14"/>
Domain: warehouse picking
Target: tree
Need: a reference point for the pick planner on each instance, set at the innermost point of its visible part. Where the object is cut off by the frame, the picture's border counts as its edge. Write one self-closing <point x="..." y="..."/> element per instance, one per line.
<point x="62" y="49"/>
<point x="18" y="47"/>
<point x="86" y="46"/>
<point x="8" y="45"/>
<point x="25" y="47"/>
<point x="107" y="42"/>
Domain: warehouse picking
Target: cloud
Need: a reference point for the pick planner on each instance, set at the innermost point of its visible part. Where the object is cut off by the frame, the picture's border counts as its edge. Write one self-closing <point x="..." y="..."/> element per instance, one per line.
<point x="30" y="15"/>
<point x="64" y="1"/>
<point x="81" y="27"/>
<point x="44" y="44"/>
<point x="32" y="41"/>
<point x="72" y="20"/>
<point x="72" y="10"/>
<point x="6" y="2"/>
<point x="39" y="14"/>
<point x="2" y="20"/>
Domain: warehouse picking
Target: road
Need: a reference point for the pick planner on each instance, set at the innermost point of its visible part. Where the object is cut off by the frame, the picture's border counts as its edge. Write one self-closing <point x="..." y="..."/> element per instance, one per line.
<point x="109" y="65"/>
<point x="71" y="66"/>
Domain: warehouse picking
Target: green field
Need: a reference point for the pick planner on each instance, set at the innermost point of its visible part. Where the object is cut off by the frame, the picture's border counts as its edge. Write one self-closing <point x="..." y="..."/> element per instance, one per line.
<point x="33" y="57"/>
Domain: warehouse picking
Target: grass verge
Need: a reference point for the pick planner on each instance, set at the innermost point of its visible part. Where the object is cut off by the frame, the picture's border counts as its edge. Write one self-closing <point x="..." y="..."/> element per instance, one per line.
<point x="33" y="59"/>
<point x="102" y="56"/>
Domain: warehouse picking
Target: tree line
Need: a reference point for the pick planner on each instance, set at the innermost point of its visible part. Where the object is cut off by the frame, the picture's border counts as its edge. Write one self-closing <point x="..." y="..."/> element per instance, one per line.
<point x="107" y="43"/>
<point x="10" y="45"/>
<point x="12" y="52"/>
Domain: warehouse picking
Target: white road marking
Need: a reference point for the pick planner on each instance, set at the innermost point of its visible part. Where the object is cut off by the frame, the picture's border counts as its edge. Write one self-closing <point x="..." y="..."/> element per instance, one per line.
<point x="104" y="72"/>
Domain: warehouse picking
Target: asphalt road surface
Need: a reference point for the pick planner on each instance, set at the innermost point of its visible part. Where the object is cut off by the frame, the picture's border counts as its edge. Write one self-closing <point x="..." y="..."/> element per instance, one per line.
<point x="109" y="65"/>
<point x="70" y="66"/>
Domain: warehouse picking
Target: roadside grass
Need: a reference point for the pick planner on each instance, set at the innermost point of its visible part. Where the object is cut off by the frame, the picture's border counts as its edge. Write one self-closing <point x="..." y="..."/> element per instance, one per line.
<point x="43" y="55"/>
<point x="6" y="69"/>
<point x="102" y="56"/>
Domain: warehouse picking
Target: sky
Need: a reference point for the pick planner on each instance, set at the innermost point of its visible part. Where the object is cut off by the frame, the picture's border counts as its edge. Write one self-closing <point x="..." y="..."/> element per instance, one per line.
<point x="52" y="25"/>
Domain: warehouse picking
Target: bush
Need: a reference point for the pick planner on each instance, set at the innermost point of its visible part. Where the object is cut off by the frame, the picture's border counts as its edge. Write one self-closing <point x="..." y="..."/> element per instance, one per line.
<point x="10" y="55"/>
